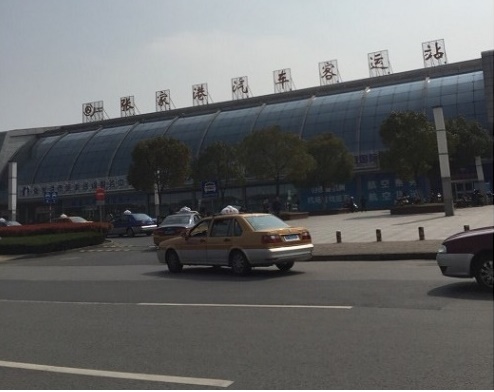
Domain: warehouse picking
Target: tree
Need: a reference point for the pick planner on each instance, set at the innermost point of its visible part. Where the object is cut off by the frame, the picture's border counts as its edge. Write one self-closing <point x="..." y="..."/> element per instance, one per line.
<point x="275" y="155"/>
<point x="334" y="164"/>
<point x="220" y="162"/>
<point x="469" y="139"/>
<point x="159" y="163"/>
<point x="411" y="144"/>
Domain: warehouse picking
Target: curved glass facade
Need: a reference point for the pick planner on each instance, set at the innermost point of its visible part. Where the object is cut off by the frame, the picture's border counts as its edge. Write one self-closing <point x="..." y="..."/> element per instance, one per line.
<point x="58" y="162"/>
<point x="231" y="126"/>
<point x="95" y="158"/>
<point x="355" y="116"/>
<point x="121" y="162"/>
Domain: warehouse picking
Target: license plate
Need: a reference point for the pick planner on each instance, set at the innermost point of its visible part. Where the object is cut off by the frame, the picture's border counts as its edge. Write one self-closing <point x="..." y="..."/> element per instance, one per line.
<point x="291" y="237"/>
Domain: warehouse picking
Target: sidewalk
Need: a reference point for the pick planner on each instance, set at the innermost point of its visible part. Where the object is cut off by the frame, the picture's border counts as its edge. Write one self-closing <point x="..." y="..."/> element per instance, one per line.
<point x="399" y="233"/>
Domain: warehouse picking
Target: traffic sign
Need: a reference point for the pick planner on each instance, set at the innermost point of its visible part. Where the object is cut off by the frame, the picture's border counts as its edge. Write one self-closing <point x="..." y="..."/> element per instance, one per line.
<point x="51" y="197"/>
<point x="100" y="196"/>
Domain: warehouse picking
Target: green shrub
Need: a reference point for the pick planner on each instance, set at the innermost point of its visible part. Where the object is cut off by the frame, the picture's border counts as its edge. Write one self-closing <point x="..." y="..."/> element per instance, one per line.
<point x="45" y="243"/>
<point x="53" y="228"/>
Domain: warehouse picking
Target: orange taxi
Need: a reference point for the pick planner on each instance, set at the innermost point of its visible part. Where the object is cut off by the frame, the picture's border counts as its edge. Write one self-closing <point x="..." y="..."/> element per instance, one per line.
<point x="240" y="241"/>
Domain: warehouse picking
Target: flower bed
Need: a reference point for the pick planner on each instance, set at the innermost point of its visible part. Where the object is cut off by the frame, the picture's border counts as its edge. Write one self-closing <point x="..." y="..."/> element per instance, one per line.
<point x="46" y="243"/>
<point x="53" y="228"/>
<point x="50" y="237"/>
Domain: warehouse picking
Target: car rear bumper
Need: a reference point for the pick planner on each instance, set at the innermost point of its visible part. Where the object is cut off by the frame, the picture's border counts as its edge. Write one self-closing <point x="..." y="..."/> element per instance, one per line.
<point x="455" y="265"/>
<point x="275" y="255"/>
<point x="144" y="229"/>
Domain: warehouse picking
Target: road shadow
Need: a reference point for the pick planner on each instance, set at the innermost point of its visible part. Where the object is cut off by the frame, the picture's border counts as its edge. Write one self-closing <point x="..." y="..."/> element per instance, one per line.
<point x="413" y="218"/>
<point x="207" y="273"/>
<point x="468" y="290"/>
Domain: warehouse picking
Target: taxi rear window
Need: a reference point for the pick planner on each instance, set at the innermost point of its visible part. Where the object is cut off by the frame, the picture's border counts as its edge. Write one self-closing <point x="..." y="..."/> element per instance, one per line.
<point x="176" y="219"/>
<point x="266" y="222"/>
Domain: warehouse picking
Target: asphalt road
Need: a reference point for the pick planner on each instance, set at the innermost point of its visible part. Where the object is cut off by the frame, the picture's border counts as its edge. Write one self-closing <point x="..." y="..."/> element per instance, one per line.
<point x="113" y="318"/>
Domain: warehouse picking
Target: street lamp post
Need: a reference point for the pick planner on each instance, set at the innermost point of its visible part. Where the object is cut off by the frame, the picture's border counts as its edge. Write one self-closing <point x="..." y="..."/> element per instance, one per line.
<point x="442" y="149"/>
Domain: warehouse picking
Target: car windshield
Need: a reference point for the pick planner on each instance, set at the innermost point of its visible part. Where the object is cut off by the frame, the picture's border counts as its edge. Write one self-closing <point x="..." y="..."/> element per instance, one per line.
<point x="265" y="222"/>
<point x="176" y="220"/>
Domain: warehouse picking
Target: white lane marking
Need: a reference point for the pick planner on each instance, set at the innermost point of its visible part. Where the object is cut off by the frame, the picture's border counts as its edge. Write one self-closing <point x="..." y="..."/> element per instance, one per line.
<point x="344" y="307"/>
<point x="124" y="375"/>
<point x="248" y="305"/>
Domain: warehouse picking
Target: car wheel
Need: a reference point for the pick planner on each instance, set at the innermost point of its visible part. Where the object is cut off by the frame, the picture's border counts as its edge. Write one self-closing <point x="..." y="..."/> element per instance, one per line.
<point x="130" y="232"/>
<point x="173" y="262"/>
<point x="285" y="266"/>
<point x="239" y="263"/>
<point x="483" y="272"/>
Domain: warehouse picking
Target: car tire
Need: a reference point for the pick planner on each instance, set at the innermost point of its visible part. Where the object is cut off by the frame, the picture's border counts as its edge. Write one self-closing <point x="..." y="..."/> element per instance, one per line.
<point x="239" y="263"/>
<point x="173" y="262"/>
<point x="130" y="232"/>
<point x="483" y="271"/>
<point x="285" y="266"/>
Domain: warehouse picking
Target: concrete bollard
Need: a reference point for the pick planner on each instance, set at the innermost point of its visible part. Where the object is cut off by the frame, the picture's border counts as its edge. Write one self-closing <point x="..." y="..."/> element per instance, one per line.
<point x="338" y="237"/>
<point x="421" y="234"/>
<point x="378" y="235"/>
<point x="466" y="227"/>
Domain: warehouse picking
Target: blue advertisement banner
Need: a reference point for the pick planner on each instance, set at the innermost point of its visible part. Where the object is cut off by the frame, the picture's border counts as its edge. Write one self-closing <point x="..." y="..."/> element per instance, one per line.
<point x="378" y="191"/>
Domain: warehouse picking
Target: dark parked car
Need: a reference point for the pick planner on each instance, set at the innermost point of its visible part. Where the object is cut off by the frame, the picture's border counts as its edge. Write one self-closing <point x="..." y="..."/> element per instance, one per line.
<point x="468" y="255"/>
<point x="175" y="224"/>
<point x="131" y="224"/>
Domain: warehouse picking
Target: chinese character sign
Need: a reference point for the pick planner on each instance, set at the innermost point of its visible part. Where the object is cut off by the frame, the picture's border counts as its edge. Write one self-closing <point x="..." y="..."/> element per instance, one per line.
<point x="328" y="72"/>
<point x="434" y="53"/>
<point x="379" y="64"/>
<point x="200" y="94"/>
<point x="240" y="88"/>
<point x="282" y="79"/>
<point x="162" y="100"/>
<point x="92" y="111"/>
<point x="127" y="106"/>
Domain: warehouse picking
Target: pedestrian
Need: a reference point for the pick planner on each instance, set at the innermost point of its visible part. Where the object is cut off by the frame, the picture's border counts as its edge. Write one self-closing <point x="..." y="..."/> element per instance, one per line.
<point x="363" y="202"/>
<point x="277" y="206"/>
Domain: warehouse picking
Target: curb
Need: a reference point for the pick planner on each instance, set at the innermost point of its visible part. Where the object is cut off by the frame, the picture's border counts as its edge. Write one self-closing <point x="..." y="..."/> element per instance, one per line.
<point x="375" y="257"/>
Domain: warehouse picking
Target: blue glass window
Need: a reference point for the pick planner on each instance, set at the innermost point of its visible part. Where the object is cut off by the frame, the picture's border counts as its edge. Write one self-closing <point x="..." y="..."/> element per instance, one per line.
<point x="190" y="130"/>
<point x="231" y="127"/>
<point x="58" y="162"/>
<point x="123" y="156"/>
<point x="96" y="156"/>
<point x="27" y="166"/>
<point x="289" y="116"/>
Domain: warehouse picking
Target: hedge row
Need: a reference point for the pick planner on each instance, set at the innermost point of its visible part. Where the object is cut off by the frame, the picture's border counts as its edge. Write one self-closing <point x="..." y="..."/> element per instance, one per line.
<point x="53" y="228"/>
<point x="45" y="243"/>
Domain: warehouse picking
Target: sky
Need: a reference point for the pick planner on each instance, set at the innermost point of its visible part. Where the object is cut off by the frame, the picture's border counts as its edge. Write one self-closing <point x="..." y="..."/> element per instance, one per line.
<point x="56" y="55"/>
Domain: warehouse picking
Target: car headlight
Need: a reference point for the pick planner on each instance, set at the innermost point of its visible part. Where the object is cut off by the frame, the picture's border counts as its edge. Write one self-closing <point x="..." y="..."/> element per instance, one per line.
<point x="442" y="249"/>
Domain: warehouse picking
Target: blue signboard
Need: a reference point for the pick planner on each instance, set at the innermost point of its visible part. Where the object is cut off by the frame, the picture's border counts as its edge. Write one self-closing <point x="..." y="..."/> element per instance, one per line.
<point x="209" y="189"/>
<point x="51" y="197"/>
